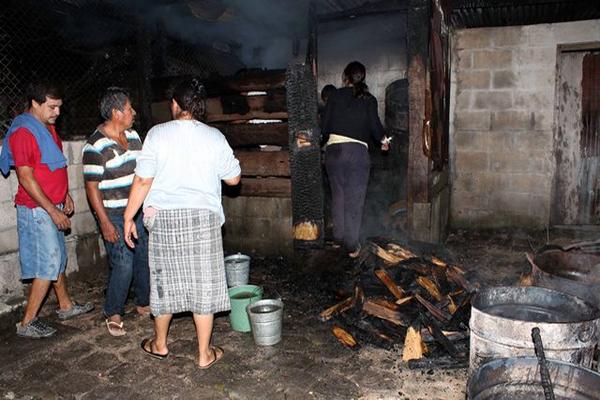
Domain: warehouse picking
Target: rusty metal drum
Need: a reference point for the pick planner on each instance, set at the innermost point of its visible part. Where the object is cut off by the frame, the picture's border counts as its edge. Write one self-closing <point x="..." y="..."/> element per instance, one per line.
<point x="502" y="319"/>
<point x="573" y="272"/>
<point x="519" y="379"/>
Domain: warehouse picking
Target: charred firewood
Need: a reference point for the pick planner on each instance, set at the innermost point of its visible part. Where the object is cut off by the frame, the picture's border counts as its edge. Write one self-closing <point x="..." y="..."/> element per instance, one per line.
<point x="440" y="280"/>
<point x="439" y="263"/>
<point x="337" y="308"/>
<point x="417" y="265"/>
<point x="455" y="274"/>
<point x="365" y="333"/>
<point x="396" y="332"/>
<point x="400" y="251"/>
<point x="345" y="338"/>
<point x="441" y="315"/>
<point x="388" y="257"/>
<point x="460" y="317"/>
<point x="453" y="336"/>
<point x="404" y="300"/>
<point x="439" y="336"/>
<point x="438" y="363"/>
<point x="428" y="285"/>
<point x="384" y="309"/>
<point x="389" y="283"/>
<point x="414" y="347"/>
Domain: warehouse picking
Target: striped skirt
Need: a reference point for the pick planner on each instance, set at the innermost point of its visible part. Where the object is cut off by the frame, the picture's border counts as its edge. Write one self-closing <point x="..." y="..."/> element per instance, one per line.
<point x="187" y="270"/>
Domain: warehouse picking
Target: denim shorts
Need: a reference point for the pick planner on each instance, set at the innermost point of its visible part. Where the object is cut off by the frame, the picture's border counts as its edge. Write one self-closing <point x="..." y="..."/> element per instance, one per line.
<point x="42" y="250"/>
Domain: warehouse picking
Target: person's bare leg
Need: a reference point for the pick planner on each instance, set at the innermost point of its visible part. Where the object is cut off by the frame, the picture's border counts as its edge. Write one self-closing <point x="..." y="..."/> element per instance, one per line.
<point x="204" y="325"/>
<point x="37" y="294"/>
<point x="161" y="331"/>
<point x="62" y="294"/>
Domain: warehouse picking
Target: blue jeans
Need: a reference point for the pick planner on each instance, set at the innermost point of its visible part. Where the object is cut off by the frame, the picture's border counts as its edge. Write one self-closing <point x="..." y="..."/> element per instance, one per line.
<point x="126" y="267"/>
<point x="42" y="249"/>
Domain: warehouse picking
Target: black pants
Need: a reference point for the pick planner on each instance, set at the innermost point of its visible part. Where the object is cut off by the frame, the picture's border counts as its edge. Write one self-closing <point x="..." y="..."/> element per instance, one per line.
<point x="348" y="166"/>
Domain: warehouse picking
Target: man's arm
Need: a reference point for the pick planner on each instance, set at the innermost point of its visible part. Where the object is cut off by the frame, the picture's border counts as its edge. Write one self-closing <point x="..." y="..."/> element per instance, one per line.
<point x="109" y="232"/>
<point x="137" y="195"/>
<point x="34" y="190"/>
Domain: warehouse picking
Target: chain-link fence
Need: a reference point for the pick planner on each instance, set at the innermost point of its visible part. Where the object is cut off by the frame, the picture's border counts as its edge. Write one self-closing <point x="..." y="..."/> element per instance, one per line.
<point x="42" y="40"/>
<point x="85" y="46"/>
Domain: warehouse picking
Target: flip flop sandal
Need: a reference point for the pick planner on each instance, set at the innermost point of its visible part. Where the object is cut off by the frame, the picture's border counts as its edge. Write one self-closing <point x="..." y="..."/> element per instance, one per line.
<point x="115" y="328"/>
<point x="218" y="353"/>
<point x="150" y="352"/>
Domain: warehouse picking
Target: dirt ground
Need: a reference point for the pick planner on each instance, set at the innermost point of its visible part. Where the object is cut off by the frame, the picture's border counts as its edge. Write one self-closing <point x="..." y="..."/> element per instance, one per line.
<point x="83" y="362"/>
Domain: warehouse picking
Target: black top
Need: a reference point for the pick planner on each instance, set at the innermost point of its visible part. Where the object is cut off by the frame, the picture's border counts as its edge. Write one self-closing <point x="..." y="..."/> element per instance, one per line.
<point x="351" y="117"/>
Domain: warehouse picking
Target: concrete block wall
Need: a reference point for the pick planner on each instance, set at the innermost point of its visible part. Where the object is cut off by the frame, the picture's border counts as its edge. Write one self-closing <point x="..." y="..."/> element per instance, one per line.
<point x="502" y="118"/>
<point x="260" y="225"/>
<point x="379" y="43"/>
<point x="83" y="245"/>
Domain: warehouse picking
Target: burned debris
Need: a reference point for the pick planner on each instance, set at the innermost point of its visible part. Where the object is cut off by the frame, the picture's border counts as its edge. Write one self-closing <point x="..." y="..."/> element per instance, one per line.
<point x="401" y="299"/>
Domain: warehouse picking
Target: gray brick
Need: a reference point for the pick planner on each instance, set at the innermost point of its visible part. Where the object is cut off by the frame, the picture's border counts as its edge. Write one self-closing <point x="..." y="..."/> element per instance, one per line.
<point x="473" y="80"/>
<point x="471" y="140"/>
<point x="507" y="36"/>
<point x="492" y="59"/>
<point x="472" y="39"/>
<point x="512" y="120"/>
<point x="8" y="215"/>
<point x="471" y="161"/>
<point x="477" y="120"/>
<point x="503" y="79"/>
<point x="492" y="100"/>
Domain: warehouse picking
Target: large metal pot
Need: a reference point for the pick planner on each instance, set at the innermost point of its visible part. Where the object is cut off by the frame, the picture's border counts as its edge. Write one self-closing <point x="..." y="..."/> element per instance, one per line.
<point x="502" y="319"/>
<point x="570" y="271"/>
<point x="519" y="379"/>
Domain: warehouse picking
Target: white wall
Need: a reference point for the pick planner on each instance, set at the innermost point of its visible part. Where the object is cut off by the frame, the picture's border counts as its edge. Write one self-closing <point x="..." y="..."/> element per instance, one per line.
<point x="377" y="42"/>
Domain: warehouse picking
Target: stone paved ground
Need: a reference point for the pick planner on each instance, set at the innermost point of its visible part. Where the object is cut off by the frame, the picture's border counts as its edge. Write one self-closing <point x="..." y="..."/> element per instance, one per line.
<point x="83" y="362"/>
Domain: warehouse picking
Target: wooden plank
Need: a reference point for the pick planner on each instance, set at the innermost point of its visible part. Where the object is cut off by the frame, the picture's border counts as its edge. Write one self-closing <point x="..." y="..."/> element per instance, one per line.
<point x="456" y="275"/>
<point x="344" y="337"/>
<point x="245" y="117"/>
<point x="238" y="104"/>
<point x="428" y="285"/>
<point x="266" y="187"/>
<point x="337" y="308"/>
<point x="414" y="347"/>
<point x="436" y="312"/>
<point x="385" y="310"/>
<point x="253" y="80"/>
<point x="264" y="163"/>
<point x="389" y="283"/>
<point x="239" y="135"/>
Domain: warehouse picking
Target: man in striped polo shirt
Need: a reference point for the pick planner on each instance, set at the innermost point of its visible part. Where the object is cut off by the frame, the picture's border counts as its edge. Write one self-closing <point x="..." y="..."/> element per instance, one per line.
<point x="109" y="160"/>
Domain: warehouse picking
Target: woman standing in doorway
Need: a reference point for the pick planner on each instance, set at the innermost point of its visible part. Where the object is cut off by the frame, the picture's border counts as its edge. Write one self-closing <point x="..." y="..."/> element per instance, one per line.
<point x="350" y="119"/>
<point x="178" y="178"/>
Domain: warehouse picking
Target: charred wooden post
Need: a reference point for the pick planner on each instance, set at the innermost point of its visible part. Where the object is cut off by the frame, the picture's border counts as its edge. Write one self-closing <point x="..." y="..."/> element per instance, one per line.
<point x="305" y="157"/>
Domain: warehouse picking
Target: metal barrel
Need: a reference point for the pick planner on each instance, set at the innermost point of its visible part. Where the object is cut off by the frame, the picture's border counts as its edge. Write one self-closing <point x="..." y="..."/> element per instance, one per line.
<point x="237" y="269"/>
<point x="502" y="319"/>
<point x="266" y="320"/>
<point x="519" y="379"/>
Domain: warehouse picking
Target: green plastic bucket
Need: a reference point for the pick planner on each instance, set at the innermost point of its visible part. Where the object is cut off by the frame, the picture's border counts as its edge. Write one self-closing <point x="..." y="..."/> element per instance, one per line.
<point x="240" y="297"/>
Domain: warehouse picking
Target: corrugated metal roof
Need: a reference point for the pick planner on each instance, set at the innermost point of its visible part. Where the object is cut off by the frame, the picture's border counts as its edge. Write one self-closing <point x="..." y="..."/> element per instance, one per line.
<point x="482" y="13"/>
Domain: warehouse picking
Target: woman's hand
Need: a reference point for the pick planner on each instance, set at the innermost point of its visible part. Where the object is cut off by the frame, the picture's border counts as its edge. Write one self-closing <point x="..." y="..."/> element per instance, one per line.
<point x="130" y="232"/>
<point x="385" y="143"/>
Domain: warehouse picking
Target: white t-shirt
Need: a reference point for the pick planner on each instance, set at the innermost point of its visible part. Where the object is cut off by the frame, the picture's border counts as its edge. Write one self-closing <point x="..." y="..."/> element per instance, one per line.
<point x="187" y="160"/>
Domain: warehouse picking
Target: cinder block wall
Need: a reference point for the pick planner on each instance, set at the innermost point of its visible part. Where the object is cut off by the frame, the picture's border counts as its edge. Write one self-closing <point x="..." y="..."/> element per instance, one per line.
<point x="377" y="42"/>
<point x="501" y="124"/>
<point x="83" y="245"/>
<point x="260" y="225"/>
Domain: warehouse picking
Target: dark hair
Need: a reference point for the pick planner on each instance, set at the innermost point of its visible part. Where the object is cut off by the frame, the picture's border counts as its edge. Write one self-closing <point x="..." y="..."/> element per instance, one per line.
<point x="38" y="91"/>
<point x="190" y="95"/>
<point x="326" y="91"/>
<point x="355" y="74"/>
<point x="114" y="98"/>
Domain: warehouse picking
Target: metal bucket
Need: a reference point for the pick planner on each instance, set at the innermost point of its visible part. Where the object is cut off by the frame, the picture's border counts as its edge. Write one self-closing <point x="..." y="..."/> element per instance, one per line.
<point x="573" y="272"/>
<point x="502" y="319"/>
<point x="266" y="320"/>
<point x="237" y="269"/>
<point x="519" y="379"/>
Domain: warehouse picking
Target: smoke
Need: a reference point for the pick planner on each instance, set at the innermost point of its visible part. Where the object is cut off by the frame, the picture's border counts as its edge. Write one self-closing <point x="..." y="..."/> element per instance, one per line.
<point x="259" y="32"/>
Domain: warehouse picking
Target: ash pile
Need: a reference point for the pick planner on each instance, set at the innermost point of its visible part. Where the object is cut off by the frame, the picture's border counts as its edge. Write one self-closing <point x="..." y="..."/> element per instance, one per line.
<point x="417" y="304"/>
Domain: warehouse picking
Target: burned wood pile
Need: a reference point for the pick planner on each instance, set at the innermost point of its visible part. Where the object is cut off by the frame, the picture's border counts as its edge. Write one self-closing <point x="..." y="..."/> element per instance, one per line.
<point x="403" y="299"/>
